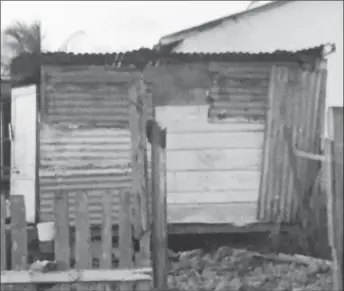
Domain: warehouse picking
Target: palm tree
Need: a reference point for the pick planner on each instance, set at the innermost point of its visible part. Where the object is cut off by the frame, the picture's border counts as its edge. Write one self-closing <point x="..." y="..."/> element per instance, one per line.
<point x="17" y="39"/>
<point x="24" y="38"/>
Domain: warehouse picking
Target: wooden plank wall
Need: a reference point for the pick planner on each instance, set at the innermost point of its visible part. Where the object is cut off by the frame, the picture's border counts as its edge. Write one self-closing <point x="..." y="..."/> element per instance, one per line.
<point x="297" y="100"/>
<point x="213" y="169"/>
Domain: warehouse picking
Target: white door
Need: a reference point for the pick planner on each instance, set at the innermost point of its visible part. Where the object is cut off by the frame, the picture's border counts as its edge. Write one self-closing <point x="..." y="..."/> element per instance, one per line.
<point x="23" y="153"/>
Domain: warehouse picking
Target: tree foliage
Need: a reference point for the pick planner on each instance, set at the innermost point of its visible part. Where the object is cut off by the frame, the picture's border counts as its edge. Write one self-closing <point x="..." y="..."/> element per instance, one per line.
<point x="19" y="38"/>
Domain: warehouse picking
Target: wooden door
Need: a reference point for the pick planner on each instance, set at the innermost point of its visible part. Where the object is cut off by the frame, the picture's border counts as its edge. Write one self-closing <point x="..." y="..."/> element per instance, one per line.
<point x="23" y="152"/>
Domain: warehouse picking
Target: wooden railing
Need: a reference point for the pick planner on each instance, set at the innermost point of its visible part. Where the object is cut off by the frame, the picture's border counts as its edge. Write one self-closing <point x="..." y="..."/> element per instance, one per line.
<point x="21" y="272"/>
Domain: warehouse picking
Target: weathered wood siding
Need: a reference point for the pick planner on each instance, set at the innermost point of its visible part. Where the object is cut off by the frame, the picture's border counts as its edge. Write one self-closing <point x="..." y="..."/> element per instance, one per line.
<point x="297" y="100"/>
<point x="212" y="168"/>
<point x="215" y="143"/>
<point x="240" y="92"/>
<point x="215" y="150"/>
<point x="84" y="137"/>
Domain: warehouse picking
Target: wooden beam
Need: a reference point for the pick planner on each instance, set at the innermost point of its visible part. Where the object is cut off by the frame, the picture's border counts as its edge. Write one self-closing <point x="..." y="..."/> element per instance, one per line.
<point x="310" y="156"/>
<point x="18" y="233"/>
<point x="76" y="276"/>
<point x="3" y="249"/>
<point x="159" y="216"/>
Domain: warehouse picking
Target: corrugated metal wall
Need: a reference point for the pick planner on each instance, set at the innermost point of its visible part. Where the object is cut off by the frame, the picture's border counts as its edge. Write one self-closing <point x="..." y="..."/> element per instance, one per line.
<point x="85" y="96"/>
<point x="240" y="91"/>
<point x="297" y="99"/>
<point x="84" y="137"/>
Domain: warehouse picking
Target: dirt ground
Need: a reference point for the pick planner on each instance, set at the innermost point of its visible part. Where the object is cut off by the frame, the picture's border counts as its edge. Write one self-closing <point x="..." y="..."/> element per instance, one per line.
<point x="231" y="262"/>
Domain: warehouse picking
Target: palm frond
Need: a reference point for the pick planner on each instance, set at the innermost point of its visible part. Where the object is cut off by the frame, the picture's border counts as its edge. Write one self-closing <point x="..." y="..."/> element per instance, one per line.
<point x="24" y="38"/>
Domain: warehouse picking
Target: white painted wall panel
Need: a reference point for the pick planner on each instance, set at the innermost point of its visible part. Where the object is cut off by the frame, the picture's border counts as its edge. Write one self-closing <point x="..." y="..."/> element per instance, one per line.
<point x="215" y="140"/>
<point x="239" y="214"/>
<point x="212" y="181"/>
<point x="208" y="197"/>
<point x="227" y="160"/>
<point x="210" y="165"/>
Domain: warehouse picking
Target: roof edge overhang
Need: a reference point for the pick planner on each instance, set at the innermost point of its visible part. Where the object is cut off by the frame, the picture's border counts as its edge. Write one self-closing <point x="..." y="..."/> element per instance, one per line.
<point x="26" y="68"/>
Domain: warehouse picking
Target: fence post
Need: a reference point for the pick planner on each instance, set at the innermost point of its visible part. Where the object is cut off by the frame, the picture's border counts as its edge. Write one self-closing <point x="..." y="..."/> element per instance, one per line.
<point x="125" y="237"/>
<point x="106" y="257"/>
<point x="19" y="233"/>
<point x="159" y="216"/>
<point x="137" y="122"/>
<point x="83" y="258"/>
<point x="62" y="237"/>
<point x="3" y="234"/>
<point x="334" y="167"/>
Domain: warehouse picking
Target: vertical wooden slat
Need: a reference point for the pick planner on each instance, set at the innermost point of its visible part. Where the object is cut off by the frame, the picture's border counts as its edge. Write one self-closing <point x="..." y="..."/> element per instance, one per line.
<point x="149" y="114"/>
<point x="331" y="204"/>
<point x="18" y="232"/>
<point x="273" y="157"/>
<point x="305" y="174"/>
<point x="292" y="95"/>
<point x="82" y="235"/>
<point x="292" y="121"/>
<point x="285" y="173"/>
<point x="263" y="191"/>
<point x="62" y="237"/>
<point x="125" y="237"/>
<point x="279" y="116"/>
<point x="144" y="254"/>
<point x="337" y="198"/>
<point x="3" y="233"/>
<point x="4" y="240"/>
<point x="320" y="125"/>
<point x="106" y="259"/>
<point x="137" y="121"/>
<point x="159" y="228"/>
<point x="142" y="113"/>
<point x="135" y="108"/>
<point x="294" y="115"/>
<point x="329" y="187"/>
<point x="299" y="94"/>
<point x="313" y="167"/>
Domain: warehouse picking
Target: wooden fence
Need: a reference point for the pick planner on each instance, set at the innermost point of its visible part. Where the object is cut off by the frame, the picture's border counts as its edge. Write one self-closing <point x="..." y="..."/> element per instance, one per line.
<point x="334" y="182"/>
<point x="142" y="217"/>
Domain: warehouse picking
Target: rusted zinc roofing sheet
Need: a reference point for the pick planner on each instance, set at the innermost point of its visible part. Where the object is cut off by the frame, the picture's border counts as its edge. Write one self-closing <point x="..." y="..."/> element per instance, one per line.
<point x="29" y="64"/>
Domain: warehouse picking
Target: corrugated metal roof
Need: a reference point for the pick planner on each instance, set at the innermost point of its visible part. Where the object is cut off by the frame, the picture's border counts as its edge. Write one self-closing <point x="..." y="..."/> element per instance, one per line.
<point x="28" y="64"/>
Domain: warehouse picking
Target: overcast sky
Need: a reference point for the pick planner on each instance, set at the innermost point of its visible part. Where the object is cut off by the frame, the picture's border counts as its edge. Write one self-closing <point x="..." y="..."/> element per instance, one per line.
<point x="110" y="26"/>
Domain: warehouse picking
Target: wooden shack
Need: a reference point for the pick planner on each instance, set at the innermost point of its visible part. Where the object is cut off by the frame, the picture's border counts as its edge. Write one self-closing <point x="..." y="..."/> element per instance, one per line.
<point x="227" y="161"/>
